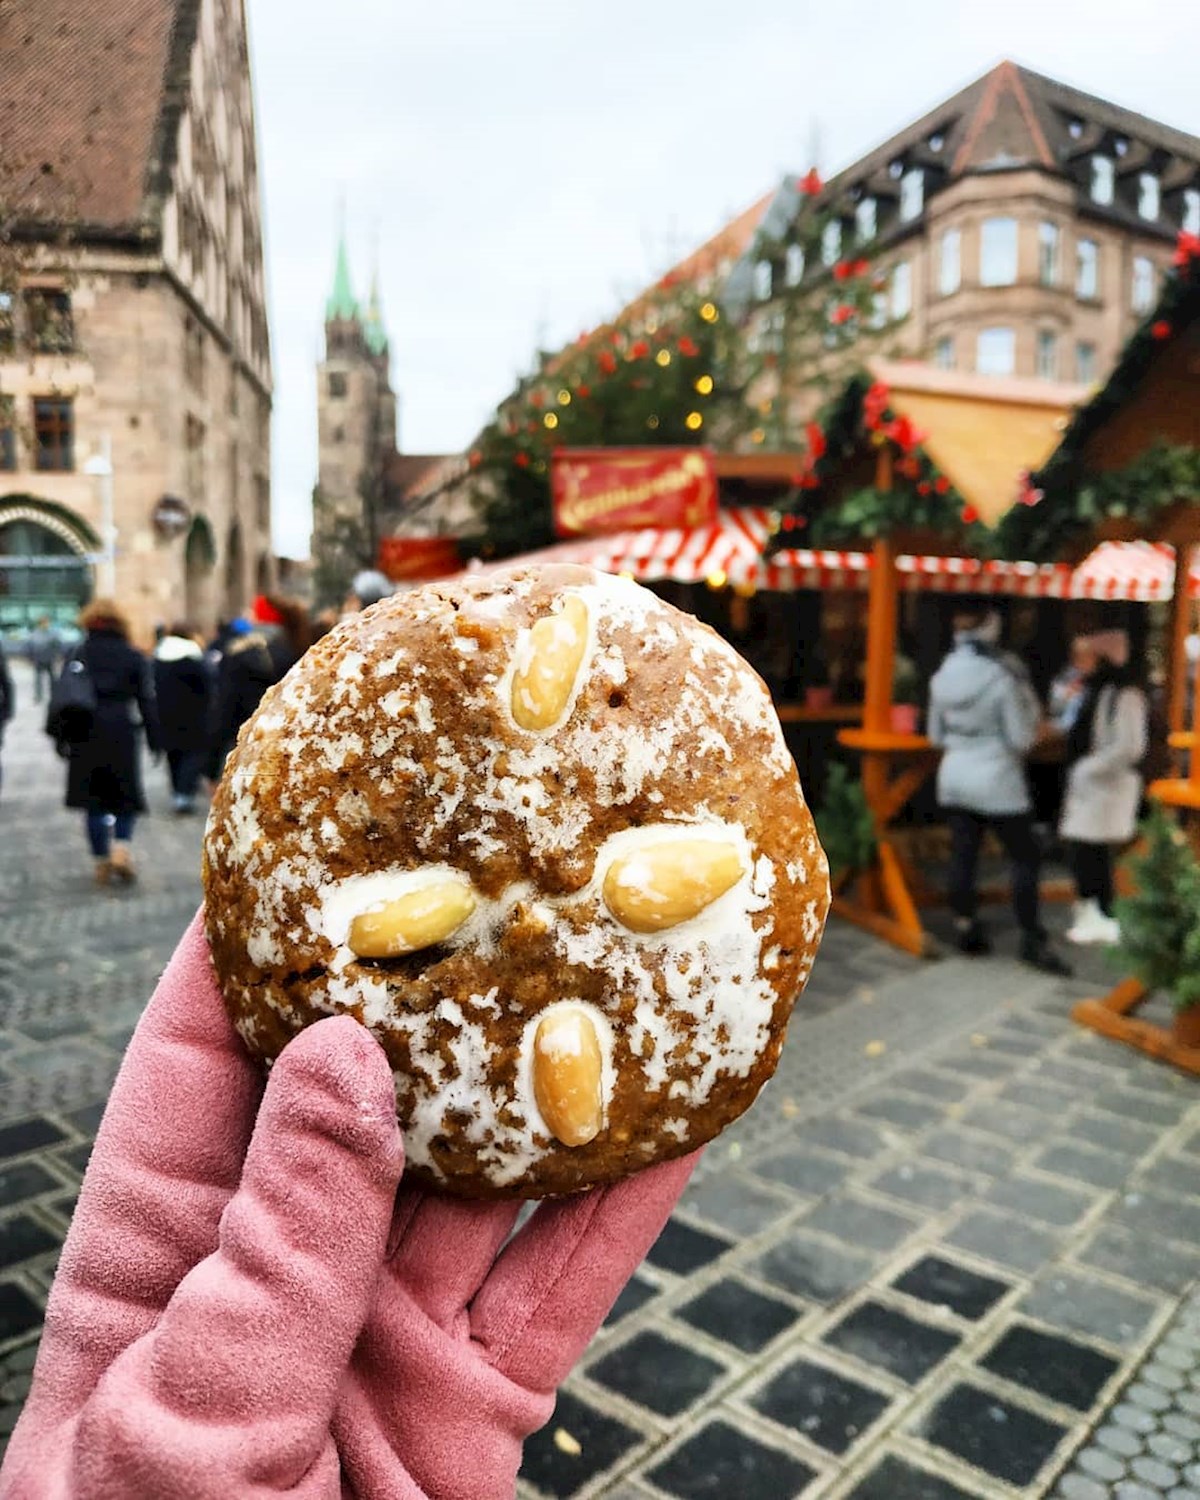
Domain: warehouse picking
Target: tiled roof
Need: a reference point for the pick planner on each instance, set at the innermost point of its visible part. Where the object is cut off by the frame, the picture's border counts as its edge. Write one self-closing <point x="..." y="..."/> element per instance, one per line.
<point x="405" y="471"/>
<point x="90" y="101"/>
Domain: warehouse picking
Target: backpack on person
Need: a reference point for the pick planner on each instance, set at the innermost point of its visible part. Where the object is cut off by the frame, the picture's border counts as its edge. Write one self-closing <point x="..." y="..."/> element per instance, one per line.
<point x="72" y="709"/>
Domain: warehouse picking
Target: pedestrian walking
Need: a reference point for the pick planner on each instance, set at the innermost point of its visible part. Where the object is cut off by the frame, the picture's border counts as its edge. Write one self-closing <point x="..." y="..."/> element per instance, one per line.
<point x="8" y="702"/>
<point x="100" y="737"/>
<point x="1105" y="748"/>
<point x="985" y="715"/>
<point x="244" y="672"/>
<point x="183" y="694"/>
<point x="284" y="625"/>
<point x="43" y="649"/>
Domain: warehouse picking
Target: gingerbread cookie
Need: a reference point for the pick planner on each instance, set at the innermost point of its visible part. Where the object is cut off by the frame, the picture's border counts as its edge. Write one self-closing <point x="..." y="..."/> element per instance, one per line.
<point x="540" y="832"/>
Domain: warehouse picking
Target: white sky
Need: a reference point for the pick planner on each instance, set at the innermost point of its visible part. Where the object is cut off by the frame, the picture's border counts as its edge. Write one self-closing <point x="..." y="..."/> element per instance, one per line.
<point x="526" y="165"/>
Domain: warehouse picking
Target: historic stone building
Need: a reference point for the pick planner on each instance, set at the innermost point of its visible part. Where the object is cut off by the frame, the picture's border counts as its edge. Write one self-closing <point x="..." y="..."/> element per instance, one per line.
<point x="1024" y="228"/>
<point x="135" y="365"/>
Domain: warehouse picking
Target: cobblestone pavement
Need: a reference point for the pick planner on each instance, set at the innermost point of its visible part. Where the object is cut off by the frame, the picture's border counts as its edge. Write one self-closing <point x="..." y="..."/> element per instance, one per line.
<point x="948" y="1254"/>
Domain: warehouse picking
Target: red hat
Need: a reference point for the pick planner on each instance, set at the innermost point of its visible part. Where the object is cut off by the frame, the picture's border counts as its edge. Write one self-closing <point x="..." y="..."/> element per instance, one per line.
<point x="265" y="612"/>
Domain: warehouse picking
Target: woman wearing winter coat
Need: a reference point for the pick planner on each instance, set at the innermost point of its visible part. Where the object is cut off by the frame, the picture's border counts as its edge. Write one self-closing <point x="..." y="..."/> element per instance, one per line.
<point x="1105" y="747"/>
<point x="984" y="714"/>
<point x="183" y="684"/>
<point x="244" y="672"/>
<point x="104" y="779"/>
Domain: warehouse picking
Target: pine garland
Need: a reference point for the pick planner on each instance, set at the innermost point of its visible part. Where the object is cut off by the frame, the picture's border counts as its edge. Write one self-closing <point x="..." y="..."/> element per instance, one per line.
<point x="1160" y="922"/>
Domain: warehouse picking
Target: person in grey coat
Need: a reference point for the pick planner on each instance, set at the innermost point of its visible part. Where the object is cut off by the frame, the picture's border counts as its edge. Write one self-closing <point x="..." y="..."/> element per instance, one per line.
<point x="985" y="715"/>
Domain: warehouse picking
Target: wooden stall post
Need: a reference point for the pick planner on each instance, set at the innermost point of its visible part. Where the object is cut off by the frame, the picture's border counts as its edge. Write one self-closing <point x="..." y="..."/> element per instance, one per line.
<point x="1181" y="619"/>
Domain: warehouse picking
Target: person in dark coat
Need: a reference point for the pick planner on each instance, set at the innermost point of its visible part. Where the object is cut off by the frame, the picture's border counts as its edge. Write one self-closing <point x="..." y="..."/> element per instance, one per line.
<point x="183" y="693"/>
<point x="104" y="778"/>
<point x="244" y="673"/>
<point x="8" y="702"/>
<point x="284" y="625"/>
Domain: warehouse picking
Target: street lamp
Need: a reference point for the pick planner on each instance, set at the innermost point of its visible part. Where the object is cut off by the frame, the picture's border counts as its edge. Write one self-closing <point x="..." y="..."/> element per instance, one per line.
<point x="100" y="468"/>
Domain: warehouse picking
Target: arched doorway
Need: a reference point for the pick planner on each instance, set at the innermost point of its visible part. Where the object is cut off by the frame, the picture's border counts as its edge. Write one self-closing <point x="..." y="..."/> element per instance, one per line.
<point x="235" y="573"/>
<point x="200" y="564"/>
<point x="45" y="567"/>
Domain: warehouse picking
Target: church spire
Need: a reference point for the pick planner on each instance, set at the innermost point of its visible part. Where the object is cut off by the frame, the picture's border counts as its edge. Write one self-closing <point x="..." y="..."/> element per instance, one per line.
<point x="341" y="306"/>
<point x="373" y="326"/>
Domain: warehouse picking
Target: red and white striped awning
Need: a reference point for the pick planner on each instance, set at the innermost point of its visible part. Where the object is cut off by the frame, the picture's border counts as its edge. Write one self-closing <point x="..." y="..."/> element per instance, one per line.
<point x="731" y="551"/>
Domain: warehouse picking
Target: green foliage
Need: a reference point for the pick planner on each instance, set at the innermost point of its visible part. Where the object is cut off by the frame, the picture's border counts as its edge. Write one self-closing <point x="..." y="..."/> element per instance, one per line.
<point x="1160" y="923"/>
<point x="845" y="824"/>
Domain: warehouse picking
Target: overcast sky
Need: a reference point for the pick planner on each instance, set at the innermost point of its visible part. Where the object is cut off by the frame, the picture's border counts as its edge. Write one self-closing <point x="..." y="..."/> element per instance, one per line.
<point x="523" y="166"/>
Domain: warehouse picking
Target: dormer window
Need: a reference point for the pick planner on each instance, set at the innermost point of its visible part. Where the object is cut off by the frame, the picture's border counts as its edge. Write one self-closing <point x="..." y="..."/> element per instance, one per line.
<point x="936" y="141"/>
<point x="831" y="242"/>
<point x="912" y="194"/>
<point x="793" y="265"/>
<point x="865" y="220"/>
<point x="1103" y="178"/>
<point x="1121" y="145"/>
<point x="762" y="281"/>
<point x="1191" y="211"/>
<point x="1075" y="129"/>
<point x="1148" y="195"/>
<point x="896" y="169"/>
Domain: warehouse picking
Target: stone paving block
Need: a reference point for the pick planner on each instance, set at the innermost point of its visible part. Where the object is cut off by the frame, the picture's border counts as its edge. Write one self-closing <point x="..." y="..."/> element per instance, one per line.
<point x="1003" y="1240"/>
<point x="656" y="1372"/>
<point x="1029" y="1091"/>
<point x="811" y="1173"/>
<point x="22" y="1238"/>
<point x="735" y="1204"/>
<point x="19" y="1313"/>
<point x="828" y="1408"/>
<point x="901" y="1111"/>
<point x="683" y="1249"/>
<point x="28" y="1135"/>
<point x="896" y="1479"/>
<point x="851" y="1137"/>
<point x="1171" y="1174"/>
<point x="22" y="1180"/>
<point x="856" y="1222"/>
<point x="550" y="1460"/>
<point x="1060" y="1369"/>
<point x="924" y="1185"/>
<point x="633" y="1296"/>
<point x="929" y="1084"/>
<point x="1157" y="1213"/>
<point x="942" y="1282"/>
<point x="976" y="1153"/>
<point x="1080" y="1487"/>
<point x="1067" y="1300"/>
<point x="1144" y="1259"/>
<point x="812" y="1268"/>
<point x="736" y="1314"/>
<point x="1010" y="1121"/>
<point x="892" y="1341"/>
<point x="1008" y="1441"/>
<point x="981" y="1064"/>
<point x="1084" y="1165"/>
<point x="1145" y="1108"/>
<point x="1042" y="1201"/>
<point x="1116" y="1134"/>
<point x="719" y="1460"/>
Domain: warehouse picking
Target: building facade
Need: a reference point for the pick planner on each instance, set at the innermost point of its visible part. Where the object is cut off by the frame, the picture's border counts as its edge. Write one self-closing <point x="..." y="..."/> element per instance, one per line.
<point x="135" y="367"/>
<point x="1023" y="228"/>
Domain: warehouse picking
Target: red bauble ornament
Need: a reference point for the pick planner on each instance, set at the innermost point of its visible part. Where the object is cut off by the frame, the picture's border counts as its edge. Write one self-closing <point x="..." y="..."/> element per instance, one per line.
<point x="875" y="405"/>
<point x="942" y="485"/>
<point x="688" y="348"/>
<point x="607" y="362"/>
<point x="924" y="487"/>
<point x="584" y="392"/>
<point x="842" y="271"/>
<point x="842" y="313"/>
<point x="810" y="183"/>
<point x="1160" y="330"/>
<point x="1187" y="249"/>
<point x="816" y="442"/>
<point x="476" y="459"/>
<point x="521" y="460"/>
<point x="909" y="468"/>
<point x="968" y="515"/>
<point x="537" y="400"/>
<point x="639" y="350"/>
<point x="859" y="267"/>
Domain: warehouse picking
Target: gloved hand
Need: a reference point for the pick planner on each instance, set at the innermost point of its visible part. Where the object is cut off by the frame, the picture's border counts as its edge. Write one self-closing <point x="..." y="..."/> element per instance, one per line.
<point x="239" y="1312"/>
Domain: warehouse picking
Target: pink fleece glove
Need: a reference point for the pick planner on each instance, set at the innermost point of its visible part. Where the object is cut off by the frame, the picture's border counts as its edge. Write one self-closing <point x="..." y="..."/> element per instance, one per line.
<point x="245" y="1308"/>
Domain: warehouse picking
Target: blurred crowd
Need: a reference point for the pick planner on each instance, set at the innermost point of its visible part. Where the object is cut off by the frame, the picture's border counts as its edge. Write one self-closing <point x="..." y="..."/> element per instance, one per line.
<point x="185" y="702"/>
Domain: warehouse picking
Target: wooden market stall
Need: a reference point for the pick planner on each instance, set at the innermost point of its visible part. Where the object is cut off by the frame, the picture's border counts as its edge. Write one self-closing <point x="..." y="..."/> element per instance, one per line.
<point x="1129" y="466"/>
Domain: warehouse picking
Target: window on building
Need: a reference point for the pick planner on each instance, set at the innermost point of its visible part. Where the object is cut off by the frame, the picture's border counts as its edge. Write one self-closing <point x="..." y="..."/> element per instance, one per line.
<point x="1049" y="239"/>
<point x="1148" y="195"/>
<point x="1191" y="211"/>
<point x="53" y="434"/>
<point x="262" y="503"/>
<point x="878" y="316"/>
<point x="831" y="242"/>
<point x="8" y="433"/>
<point x="1143" y="284"/>
<point x="901" y="289"/>
<point x="763" y="278"/>
<point x="51" y="330"/>
<point x="950" y="263"/>
<point x="337" y="385"/>
<point x="8" y="323"/>
<point x="996" y="351"/>
<point x="866" y="220"/>
<point x="194" y="355"/>
<point x="912" y="194"/>
<point x="1047" y="354"/>
<point x="1085" y="363"/>
<point x="1103" y="179"/>
<point x="793" y="265"/>
<point x="1087" y="269"/>
<point x="998" y="252"/>
<point x="339" y="434"/>
<point x="194" y="436"/>
<point x="943" y="353"/>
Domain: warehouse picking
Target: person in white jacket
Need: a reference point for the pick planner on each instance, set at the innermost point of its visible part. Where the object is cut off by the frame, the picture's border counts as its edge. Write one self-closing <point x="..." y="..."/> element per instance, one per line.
<point x="1105" y="747"/>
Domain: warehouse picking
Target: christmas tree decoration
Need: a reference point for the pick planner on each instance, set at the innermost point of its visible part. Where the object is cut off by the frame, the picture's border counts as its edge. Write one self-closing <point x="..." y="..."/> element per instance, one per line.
<point x="1160" y="921"/>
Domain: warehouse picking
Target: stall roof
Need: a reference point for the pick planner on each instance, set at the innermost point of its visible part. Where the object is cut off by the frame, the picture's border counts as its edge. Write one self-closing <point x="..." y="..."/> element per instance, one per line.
<point x="982" y="431"/>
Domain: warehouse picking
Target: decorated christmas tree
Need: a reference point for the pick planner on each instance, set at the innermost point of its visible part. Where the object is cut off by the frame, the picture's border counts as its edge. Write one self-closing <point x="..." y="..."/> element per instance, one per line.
<point x="1160" y="923"/>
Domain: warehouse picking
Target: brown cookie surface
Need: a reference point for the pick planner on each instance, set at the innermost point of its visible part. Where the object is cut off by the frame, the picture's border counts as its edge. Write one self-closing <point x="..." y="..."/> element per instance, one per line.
<point x="540" y="832"/>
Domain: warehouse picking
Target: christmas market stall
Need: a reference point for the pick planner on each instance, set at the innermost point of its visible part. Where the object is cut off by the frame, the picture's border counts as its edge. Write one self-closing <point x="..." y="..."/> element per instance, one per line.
<point x="1129" y="467"/>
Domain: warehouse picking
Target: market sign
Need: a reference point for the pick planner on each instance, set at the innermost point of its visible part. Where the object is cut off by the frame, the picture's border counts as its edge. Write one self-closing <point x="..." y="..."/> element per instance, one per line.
<point x="406" y="559"/>
<point x="596" y="490"/>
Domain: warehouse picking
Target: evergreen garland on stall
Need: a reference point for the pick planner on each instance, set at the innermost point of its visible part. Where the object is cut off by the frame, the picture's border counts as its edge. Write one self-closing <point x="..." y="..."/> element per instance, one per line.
<point x="1160" y="922"/>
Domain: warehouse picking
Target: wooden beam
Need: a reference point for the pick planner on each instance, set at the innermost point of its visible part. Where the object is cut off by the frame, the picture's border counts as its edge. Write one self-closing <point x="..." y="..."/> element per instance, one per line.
<point x="1181" y="618"/>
